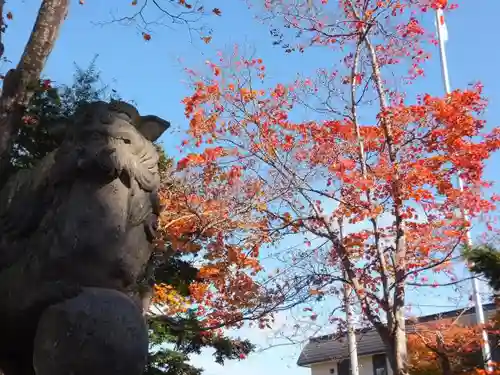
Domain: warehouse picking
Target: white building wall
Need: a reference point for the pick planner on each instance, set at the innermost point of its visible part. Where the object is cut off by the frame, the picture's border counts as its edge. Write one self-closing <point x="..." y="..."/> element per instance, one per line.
<point x="365" y="367"/>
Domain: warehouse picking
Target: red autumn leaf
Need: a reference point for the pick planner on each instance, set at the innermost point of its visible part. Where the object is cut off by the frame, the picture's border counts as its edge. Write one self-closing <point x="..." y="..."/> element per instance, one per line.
<point x="207" y="39"/>
<point x="439" y="4"/>
<point x="46" y="84"/>
<point x="9" y="15"/>
<point x="217" y="11"/>
<point x="146" y="36"/>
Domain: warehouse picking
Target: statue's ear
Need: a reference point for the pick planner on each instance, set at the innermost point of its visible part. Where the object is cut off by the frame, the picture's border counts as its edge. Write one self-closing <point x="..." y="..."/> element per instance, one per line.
<point x="126" y="108"/>
<point x="152" y="127"/>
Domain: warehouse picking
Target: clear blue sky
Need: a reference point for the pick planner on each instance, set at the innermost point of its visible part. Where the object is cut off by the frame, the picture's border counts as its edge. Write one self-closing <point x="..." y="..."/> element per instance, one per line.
<point x="150" y="74"/>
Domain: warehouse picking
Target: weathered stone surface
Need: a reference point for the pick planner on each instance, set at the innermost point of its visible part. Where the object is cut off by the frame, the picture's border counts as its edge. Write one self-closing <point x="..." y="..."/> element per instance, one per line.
<point x="84" y="217"/>
<point x="99" y="332"/>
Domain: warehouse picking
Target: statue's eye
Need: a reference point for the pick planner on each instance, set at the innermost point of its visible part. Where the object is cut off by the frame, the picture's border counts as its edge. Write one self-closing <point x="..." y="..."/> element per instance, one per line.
<point x="127" y="141"/>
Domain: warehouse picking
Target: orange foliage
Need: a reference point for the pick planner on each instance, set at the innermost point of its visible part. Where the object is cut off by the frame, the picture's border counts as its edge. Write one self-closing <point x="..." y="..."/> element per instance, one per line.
<point x="494" y="370"/>
<point x="206" y="223"/>
<point x="444" y="340"/>
<point x="395" y="175"/>
<point x="451" y="140"/>
<point x="171" y="302"/>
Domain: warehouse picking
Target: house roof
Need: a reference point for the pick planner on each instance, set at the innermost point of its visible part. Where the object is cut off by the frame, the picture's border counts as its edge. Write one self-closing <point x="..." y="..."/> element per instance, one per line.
<point x="334" y="348"/>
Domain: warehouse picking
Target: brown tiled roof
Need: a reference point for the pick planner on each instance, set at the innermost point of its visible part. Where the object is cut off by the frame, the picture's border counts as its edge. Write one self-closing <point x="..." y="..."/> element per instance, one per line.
<point x="334" y="348"/>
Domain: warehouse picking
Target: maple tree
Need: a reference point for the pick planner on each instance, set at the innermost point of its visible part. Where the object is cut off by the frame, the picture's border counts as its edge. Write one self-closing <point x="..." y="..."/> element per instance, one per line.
<point x="216" y="226"/>
<point x="376" y="201"/>
<point x="444" y="346"/>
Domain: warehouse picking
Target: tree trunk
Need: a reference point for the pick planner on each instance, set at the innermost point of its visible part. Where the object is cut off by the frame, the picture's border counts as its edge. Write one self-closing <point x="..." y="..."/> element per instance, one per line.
<point x="444" y="361"/>
<point x="400" y="351"/>
<point x="394" y="335"/>
<point x="395" y="342"/>
<point x="399" y="362"/>
<point x="19" y="83"/>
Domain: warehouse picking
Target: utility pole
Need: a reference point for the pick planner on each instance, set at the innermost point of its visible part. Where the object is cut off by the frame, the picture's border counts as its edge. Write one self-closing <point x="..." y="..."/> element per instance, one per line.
<point x="479" y="312"/>
<point x="351" y="331"/>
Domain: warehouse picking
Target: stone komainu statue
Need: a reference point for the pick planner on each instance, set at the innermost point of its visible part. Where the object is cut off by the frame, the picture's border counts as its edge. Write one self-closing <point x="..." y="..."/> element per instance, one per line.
<point x="76" y="232"/>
